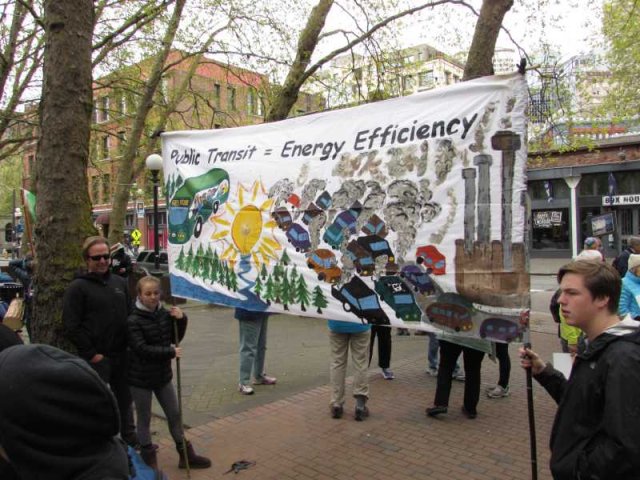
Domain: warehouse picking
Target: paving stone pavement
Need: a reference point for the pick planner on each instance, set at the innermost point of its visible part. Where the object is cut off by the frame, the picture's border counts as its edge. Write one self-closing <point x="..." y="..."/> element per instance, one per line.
<point x="287" y="430"/>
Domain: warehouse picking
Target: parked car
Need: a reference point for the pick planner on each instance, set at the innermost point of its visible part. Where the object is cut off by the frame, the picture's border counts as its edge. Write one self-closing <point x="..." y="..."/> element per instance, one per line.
<point x="146" y="260"/>
<point x="358" y="298"/>
<point x="397" y="295"/>
<point x="324" y="262"/>
<point x="418" y="279"/>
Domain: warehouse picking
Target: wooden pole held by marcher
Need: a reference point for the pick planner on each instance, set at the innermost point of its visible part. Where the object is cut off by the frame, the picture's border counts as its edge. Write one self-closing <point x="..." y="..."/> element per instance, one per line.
<point x="532" y="419"/>
<point x="179" y="388"/>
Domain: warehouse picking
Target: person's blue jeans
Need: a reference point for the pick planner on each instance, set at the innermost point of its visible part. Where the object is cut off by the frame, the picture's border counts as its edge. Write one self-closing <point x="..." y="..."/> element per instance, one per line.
<point x="432" y="351"/>
<point x="253" y="345"/>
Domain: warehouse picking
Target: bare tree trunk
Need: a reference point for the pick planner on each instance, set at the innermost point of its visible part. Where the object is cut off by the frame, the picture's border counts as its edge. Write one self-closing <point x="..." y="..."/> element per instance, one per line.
<point x="480" y="58"/>
<point x="63" y="205"/>
<point x="126" y="167"/>
<point x="306" y="45"/>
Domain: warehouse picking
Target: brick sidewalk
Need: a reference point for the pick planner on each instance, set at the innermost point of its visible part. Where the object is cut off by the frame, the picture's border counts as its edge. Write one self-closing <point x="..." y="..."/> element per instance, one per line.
<point x="295" y="438"/>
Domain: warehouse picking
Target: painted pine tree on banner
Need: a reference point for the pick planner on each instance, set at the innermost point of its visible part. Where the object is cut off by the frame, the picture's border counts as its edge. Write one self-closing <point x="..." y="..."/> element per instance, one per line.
<point x="319" y="300"/>
<point x="302" y="293"/>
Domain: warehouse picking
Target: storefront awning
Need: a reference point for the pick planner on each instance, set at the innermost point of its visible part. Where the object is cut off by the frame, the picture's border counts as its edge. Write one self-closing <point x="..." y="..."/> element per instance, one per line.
<point x="103" y="219"/>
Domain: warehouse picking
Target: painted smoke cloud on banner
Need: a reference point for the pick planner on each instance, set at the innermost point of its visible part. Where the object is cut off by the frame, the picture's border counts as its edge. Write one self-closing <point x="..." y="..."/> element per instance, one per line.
<point x="407" y="212"/>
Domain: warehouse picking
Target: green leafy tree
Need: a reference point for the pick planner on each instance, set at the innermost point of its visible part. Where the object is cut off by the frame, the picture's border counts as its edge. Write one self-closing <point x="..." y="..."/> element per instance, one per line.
<point x="622" y="32"/>
<point x="319" y="300"/>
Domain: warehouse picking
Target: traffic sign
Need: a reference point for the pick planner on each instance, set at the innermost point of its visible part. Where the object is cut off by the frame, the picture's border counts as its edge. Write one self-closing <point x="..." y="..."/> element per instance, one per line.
<point x="136" y="235"/>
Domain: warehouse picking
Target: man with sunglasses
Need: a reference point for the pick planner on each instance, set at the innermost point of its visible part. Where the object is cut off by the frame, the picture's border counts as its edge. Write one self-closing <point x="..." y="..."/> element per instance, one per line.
<point x="95" y="310"/>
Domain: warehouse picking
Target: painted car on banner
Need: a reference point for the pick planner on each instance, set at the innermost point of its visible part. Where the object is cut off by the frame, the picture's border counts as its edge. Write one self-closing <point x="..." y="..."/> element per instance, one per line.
<point x="452" y="311"/>
<point x="418" y="279"/>
<point x="282" y="217"/>
<point x="194" y="202"/>
<point x="431" y="258"/>
<point x="397" y="295"/>
<point x="500" y="329"/>
<point x="358" y="298"/>
<point x="335" y="233"/>
<point x="362" y="260"/>
<point x="324" y="262"/>
<point x="298" y="237"/>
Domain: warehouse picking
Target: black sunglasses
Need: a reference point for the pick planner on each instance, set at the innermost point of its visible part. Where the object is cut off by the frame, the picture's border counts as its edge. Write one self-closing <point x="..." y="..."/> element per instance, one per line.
<point x="97" y="258"/>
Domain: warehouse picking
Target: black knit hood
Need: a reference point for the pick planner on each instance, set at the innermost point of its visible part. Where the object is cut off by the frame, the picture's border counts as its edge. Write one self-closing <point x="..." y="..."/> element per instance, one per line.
<point x="58" y="419"/>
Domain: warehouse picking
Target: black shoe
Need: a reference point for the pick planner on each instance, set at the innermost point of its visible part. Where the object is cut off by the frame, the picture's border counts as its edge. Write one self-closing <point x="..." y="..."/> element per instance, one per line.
<point x="469" y="414"/>
<point x="436" y="410"/>
<point x="361" y="413"/>
<point x="336" y="411"/>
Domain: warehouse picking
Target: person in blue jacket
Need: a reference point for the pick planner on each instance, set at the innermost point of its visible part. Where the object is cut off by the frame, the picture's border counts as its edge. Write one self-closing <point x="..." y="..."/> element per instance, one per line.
<point x="631" y="289"/>
<point x="342" y="337"/>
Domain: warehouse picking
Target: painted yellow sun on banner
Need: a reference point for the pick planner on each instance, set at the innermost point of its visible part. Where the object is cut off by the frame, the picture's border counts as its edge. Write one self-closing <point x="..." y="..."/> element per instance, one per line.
<point x="246" y="226"/>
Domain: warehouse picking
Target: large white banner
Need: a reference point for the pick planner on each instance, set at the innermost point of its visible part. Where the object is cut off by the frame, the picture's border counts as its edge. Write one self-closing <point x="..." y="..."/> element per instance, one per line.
<point x="407" y="212"/>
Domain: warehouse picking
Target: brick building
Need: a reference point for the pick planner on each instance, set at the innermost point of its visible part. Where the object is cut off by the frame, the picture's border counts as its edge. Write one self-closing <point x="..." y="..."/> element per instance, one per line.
<point x="561" y="183"/>
<point x="218" y="96"/>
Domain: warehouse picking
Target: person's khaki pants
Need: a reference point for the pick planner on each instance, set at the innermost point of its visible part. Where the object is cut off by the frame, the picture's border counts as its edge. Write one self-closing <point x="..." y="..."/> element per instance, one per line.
<point x="340" y="345"/>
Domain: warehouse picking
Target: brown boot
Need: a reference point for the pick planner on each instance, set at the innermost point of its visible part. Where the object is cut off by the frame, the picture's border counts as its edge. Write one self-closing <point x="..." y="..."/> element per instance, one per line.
<point x="195" y="461"/>
<point x="149" y="456"/>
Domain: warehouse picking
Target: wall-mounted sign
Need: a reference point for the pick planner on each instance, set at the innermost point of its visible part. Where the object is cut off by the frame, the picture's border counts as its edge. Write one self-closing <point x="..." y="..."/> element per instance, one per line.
<point x="603" y="224"/>
<point x="633" y="199"/>
<point x="547" y="218"/>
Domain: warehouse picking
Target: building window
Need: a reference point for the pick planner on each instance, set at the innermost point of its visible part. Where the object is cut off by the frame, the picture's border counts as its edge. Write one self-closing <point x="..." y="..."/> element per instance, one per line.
<point x="104" y="147"/>
<point x="31" y="162"/>
<point x="425" y="79"/>
<point x="103" y="109"/>
<point x="254" y="103"/>
<point x="122" y="140"/>
<point x="106" y="187"/>
<point x="231" y="98"/>
<point x="95" y="189"/>
<point x="216" y="94"/>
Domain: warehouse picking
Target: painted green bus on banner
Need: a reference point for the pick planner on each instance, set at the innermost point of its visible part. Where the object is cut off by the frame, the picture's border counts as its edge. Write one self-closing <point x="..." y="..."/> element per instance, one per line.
<point x="194" y="202"/>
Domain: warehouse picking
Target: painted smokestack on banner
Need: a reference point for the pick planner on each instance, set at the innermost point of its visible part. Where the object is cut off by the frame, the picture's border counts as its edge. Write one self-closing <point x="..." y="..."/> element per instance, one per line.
<point x="483" y="162"/>
<point x="507" y="143"/>
<point x="469" y="175"/>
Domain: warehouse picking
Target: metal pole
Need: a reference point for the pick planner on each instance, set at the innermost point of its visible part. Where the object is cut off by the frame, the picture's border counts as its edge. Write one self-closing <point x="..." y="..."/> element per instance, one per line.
<point x="156" y="247"/>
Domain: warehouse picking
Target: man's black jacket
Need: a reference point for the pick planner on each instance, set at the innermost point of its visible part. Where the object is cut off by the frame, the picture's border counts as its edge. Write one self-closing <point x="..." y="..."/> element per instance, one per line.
<point x="596" y="432"/>
<point x="94" y="313"/>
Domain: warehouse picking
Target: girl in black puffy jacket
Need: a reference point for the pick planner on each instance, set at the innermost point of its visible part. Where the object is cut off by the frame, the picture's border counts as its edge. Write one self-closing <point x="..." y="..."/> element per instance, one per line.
<point x="152" y="346"/>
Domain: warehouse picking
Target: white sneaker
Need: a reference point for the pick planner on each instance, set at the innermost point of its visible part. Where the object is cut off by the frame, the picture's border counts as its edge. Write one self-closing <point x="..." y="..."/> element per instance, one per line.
<point x="245" y="389"/>
<point x="498" y="392"/>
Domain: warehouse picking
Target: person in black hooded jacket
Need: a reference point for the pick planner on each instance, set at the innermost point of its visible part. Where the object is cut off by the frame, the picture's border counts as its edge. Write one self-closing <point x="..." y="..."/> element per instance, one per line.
<point x="58" y="419"/>
<point x="95" y="308"/>
<point x="152" y="344"/>
<point x="595" y="432"/>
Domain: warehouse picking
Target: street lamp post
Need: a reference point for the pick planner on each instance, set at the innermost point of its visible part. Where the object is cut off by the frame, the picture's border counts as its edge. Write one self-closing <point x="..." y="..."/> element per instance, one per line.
<point x="154" y="164"/>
